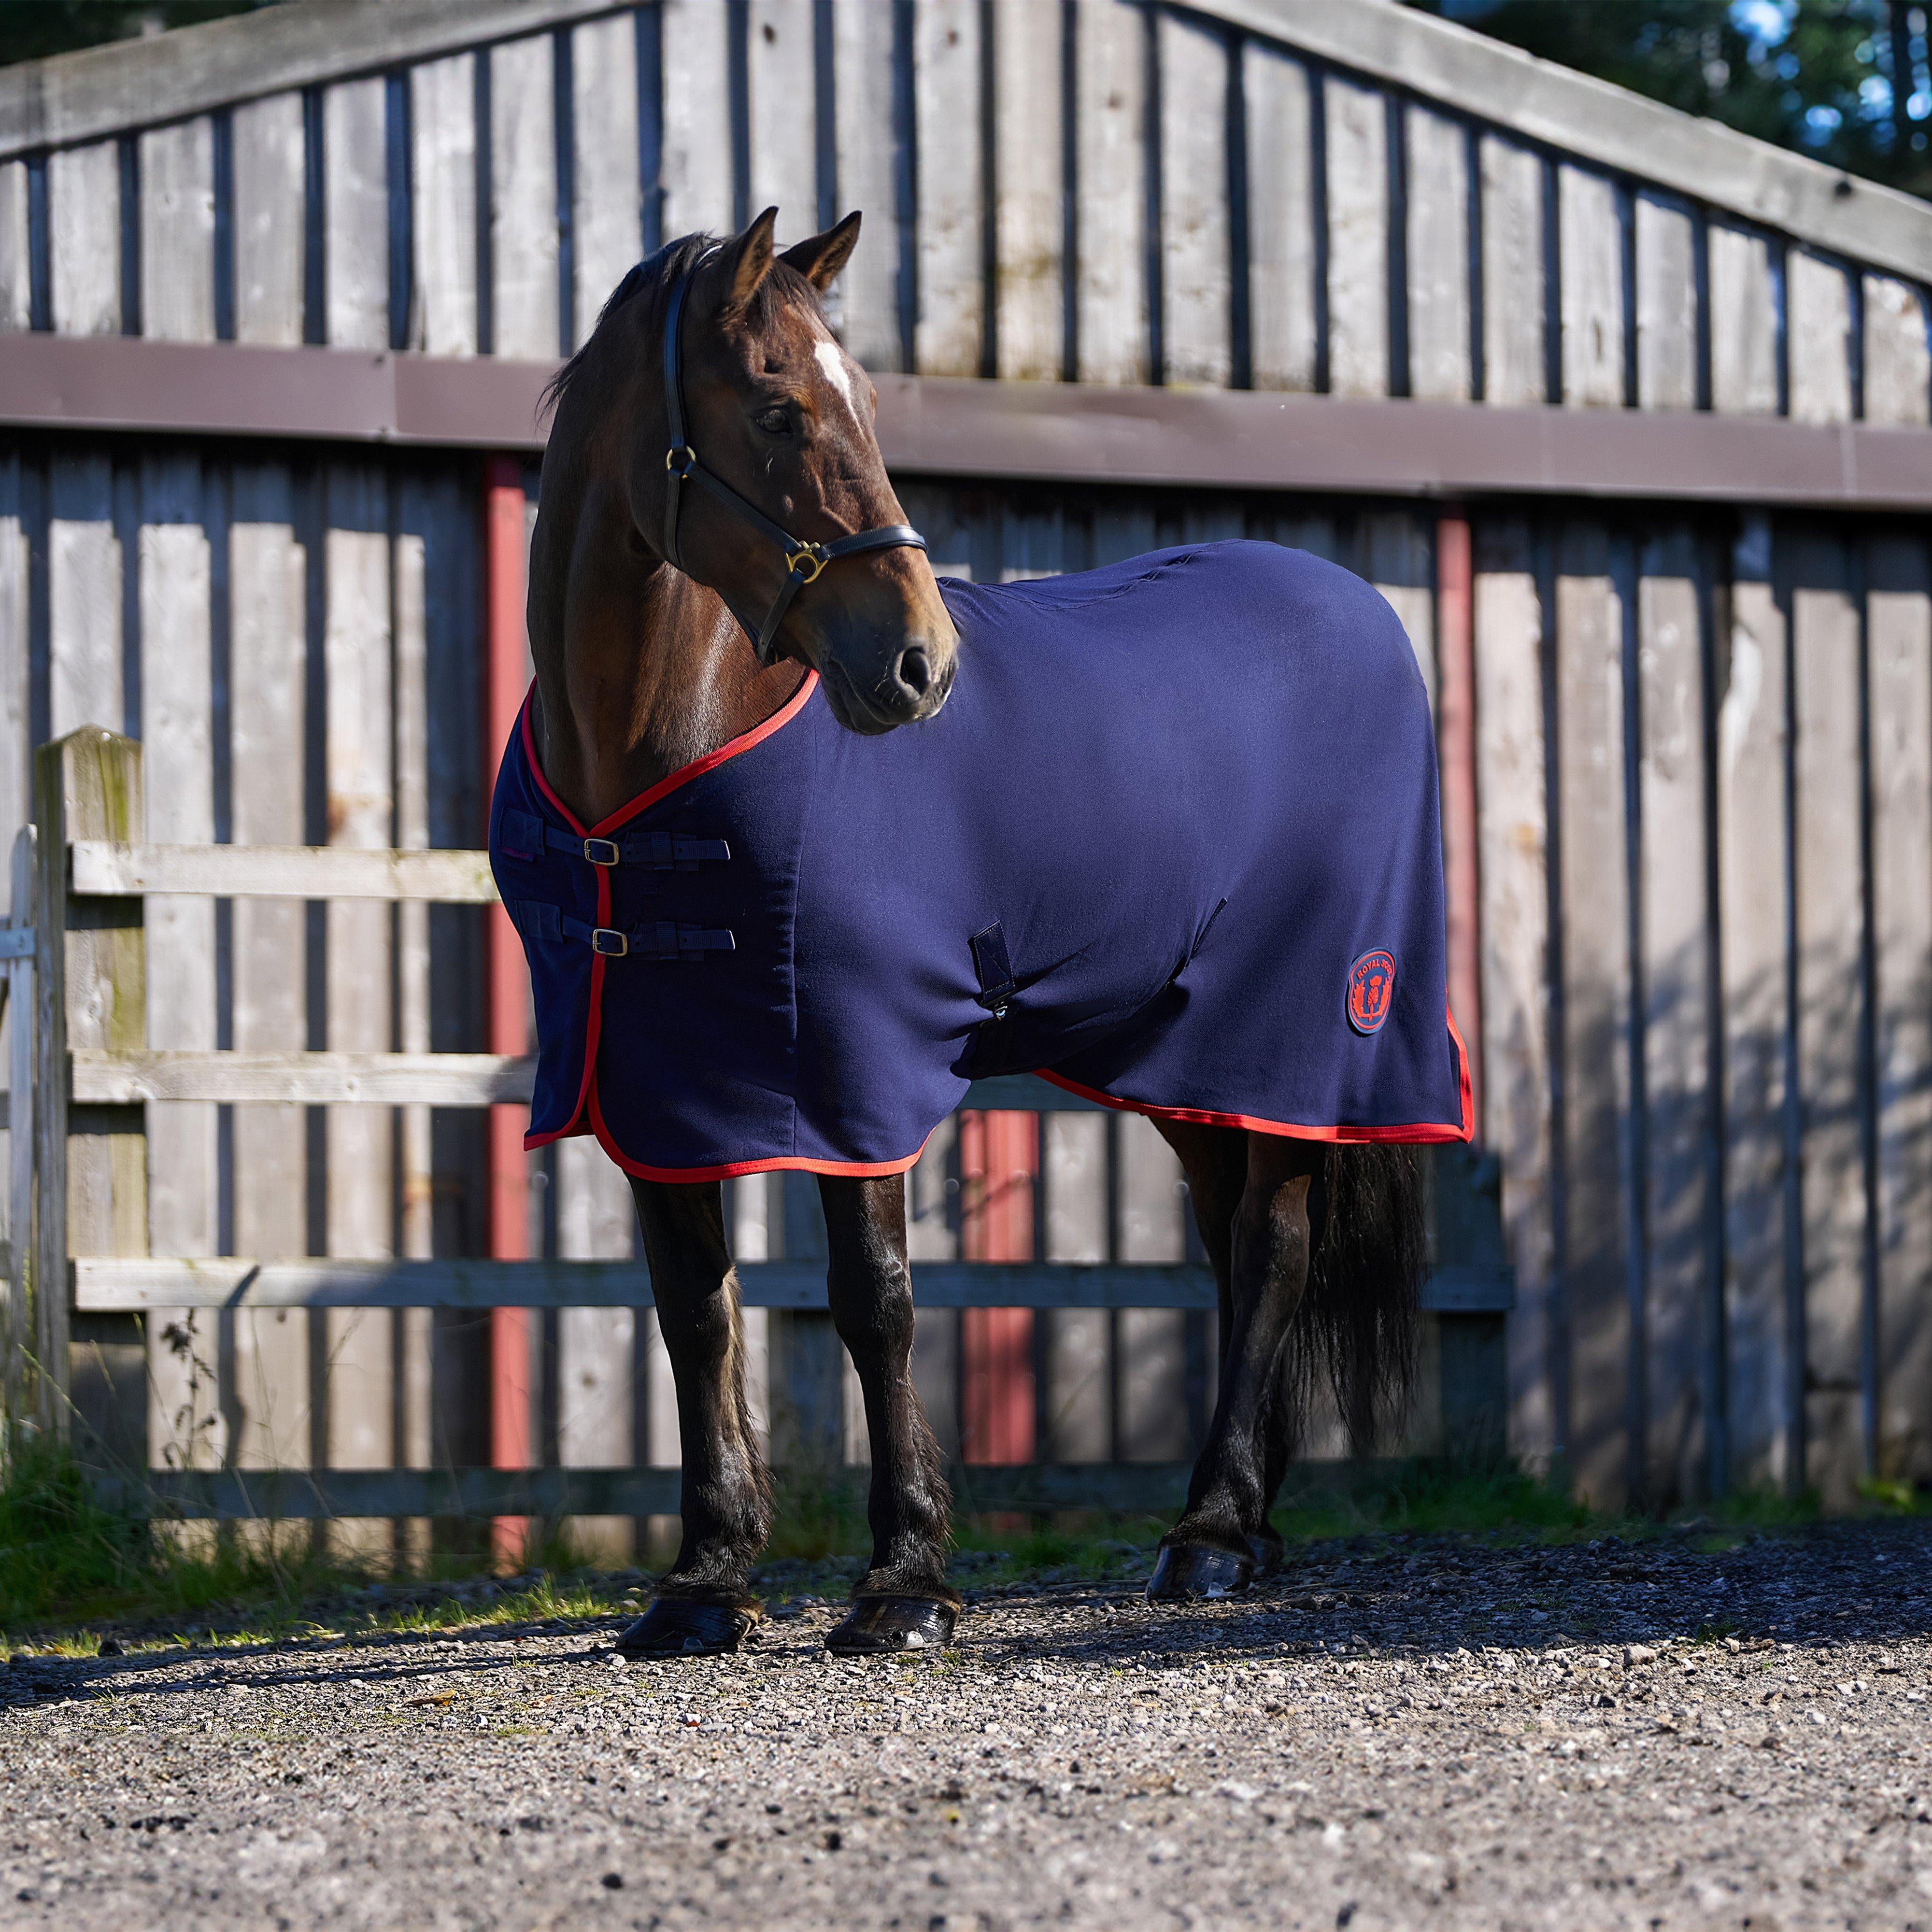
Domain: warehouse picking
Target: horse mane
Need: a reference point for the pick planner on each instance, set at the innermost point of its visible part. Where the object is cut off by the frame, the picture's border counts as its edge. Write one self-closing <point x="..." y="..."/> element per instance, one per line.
<point x="652" y="281"/>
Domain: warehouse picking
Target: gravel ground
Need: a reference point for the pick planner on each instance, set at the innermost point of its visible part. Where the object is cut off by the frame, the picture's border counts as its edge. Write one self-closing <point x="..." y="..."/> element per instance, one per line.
<point x="1403" y="1732"/>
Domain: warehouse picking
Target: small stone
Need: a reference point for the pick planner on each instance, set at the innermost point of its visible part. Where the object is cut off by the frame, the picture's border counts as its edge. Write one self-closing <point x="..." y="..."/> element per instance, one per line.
<point x="612" y="1881"/>
<point x="1635" y="1653"/>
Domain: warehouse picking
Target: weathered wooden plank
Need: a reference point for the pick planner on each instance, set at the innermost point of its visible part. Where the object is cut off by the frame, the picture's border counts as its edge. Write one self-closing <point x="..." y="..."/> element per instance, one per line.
<point x="359" y="1422"/>
<point x="22" y="1127"/>
<point x="1666" y="305"/>
<point x="1752" y="746"/>
<point x="1514" y="871"/>
<point x="781" y="73"/>
<point x="523" y="198"/>
<point x="1357" y="120"/>
<point x="1109" y="118"/>
<point x="1596" y="1013"/>
<point x="1399" y="559"/>
<point x="1593" y="290"/>
<point x="178" y="232"/>
<point x="16" y="273"/>
<point x="1818" y="297"/>
<point x="866" y="150"/>
<point x="1899" y="632"/>
<point x="1438" y="236"/>
<point x="1281" y="220"/>
<point x="84" y="238"/>
<point x="16" y="652"/>
<point x="1514" y="371"/>
<point x="932" y="1190"/>
<point x="355" y="200"/>
<point x="269" y="146"/>
<point x="695" y="170"/>
<point x="281" y="871"/>
<point x="1029" y="208"/>
<point x="185" y="1426"/>
<point x="1196" y="244"/>
<point x="85" y="614"/>
<point x="1079" y="1341"/>
<point x="949" y="336"/>
<point x="1151" y="1368"/>
<point x="1897" y="367"/>
<point x="1744" y="323"/>
<point x="607" y="220"/>
<point x="442" y="186"/>
<point x="1830" y="934"/>
<point x="269" y="650"/>
<point x="1675" y="923"/>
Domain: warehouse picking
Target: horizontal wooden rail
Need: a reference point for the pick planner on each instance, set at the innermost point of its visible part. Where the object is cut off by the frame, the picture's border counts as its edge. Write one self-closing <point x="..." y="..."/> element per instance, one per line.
<point x="1157" y="1488"/>
<point x="124" y="1284"/>
<point x="99" y="868"/>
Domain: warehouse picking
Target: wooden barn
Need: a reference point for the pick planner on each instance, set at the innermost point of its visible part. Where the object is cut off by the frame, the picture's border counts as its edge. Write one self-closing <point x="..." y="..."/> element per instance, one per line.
<point x="1626" y="414"/>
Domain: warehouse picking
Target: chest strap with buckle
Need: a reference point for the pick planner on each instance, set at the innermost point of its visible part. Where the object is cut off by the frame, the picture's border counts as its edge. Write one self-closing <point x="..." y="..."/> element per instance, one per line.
<point x="659" y="939"/>
<point x="655" y="851"/>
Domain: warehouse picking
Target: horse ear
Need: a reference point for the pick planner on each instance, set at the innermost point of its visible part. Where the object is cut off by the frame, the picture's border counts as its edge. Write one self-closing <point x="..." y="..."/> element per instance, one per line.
<point x="749" y="261"/>
<point x="820" y="259"/>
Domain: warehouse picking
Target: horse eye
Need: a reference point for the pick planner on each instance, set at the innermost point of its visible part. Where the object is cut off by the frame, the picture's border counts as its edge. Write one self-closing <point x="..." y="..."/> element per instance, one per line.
<point x="774" y="422"/>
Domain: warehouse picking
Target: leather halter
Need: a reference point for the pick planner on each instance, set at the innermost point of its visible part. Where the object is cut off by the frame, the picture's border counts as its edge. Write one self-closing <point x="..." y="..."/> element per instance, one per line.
<point x="804" y="560"/>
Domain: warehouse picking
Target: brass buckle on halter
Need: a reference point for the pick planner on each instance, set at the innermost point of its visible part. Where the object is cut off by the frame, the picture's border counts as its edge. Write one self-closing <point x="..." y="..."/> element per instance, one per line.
<point x="619" y="943"/>
<point x="602" y="851"/>
<point x="814" y="554"/>
<point x="681" y="470"/>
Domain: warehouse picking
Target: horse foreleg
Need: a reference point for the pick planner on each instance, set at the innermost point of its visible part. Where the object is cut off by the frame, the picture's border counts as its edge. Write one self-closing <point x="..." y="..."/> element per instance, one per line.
<point x="903" y="1602"/>
<point x="705" y="1604"/>
<point x="1211" y="1552"/>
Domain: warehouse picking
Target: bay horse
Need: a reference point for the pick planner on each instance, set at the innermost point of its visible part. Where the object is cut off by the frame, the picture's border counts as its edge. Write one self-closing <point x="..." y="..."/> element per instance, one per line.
<point x="717" y="543"/>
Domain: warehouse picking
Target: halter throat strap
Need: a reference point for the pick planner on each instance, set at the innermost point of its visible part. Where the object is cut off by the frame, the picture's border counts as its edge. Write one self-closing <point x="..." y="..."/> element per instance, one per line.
<point x="804" y="560"/>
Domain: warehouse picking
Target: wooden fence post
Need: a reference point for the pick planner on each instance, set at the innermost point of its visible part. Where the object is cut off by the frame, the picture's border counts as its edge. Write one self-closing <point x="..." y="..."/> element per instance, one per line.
<point x="807" y="1400"/>
<point x="22" y="1116"/>
<point x="90" y="1180"/>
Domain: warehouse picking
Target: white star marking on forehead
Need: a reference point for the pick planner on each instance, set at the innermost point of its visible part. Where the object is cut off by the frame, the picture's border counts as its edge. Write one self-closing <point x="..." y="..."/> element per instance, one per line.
<point x="832" y="359"/>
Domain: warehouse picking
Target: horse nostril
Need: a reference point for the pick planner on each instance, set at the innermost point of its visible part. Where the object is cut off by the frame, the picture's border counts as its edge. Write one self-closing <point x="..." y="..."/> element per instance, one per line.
<point x="915" y="672"/>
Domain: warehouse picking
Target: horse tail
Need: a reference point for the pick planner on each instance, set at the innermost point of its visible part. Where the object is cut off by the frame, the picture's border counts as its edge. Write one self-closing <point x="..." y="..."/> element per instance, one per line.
<point x="1355" y="1328"/>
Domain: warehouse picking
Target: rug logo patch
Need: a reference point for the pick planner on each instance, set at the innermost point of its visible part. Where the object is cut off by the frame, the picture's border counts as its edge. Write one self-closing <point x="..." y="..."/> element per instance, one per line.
<point x="1371" y="981"/>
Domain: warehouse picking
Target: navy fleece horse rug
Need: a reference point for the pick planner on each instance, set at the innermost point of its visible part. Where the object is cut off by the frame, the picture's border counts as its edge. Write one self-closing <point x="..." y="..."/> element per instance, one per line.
<point x="1172" y="843"/>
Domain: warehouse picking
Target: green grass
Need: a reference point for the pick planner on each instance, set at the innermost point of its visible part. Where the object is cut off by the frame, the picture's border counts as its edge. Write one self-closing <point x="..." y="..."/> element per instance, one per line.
<point x="72" y="1569"/>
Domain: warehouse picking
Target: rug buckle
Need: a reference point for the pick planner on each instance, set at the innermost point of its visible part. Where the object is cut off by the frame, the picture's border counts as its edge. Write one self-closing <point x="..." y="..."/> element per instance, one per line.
<point x="602" y="851"/>
<point x="608" y="940"/>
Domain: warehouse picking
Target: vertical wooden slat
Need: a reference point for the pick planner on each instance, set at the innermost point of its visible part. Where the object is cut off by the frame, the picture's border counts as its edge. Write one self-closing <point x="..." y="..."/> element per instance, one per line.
<point x="443" y="123"/>
<point x="1751" y="750"/>
<point x="1820" y="298"/>
<point x="1029" y="212"/>
<point x="1896" y="363"/>
<point x="1398" y="559"/>
<point x="177" y="733"/>
<point x="931" y="1220"/>
<point x="356" y="215"/>
<point x="523" y="198"/>
<point x="998" y="1157"/>
<point x="23" y="1126"/>
<point x="84" y="238"/>
<point x="1899" y="627"/>
<point x="696" y="168"/>
<point x="1513" y="870"/>
<point x="1356" y="122"/>
<point x="361" y="805"/>
<point x="1830" y="929"/>
<point x="1593" y="292"/>
<point x="268" y="221"/>
<point x="1596" y="1008"/>
<point x="1666" y="305"/>
<point x="1676" y="963"/>
<point x="178" y="232"/>
<point x="594" y="1344"/>
<point x="1073" y="1152"/>
<point x="1110" y="114"/>
<point x="607" y="227"/>
<point x="1196" y="240"/>
<point x="948" y="337"/>
<point x="1151" y="1373"/>
<point x="16" y="275"/>
<point x="1514" y="370"/>
<point x="783" y="102"/>
<point x="1439" y="257"/>
<point x="866" y="147"/>
<point x="1744" y="323"/>
<point x="268" y="678"/>
<point x="84" y="597"/>
<point x="16" y="652"/>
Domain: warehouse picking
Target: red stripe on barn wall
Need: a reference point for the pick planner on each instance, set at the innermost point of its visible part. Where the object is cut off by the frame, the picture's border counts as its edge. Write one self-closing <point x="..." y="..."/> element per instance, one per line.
<point x="999" y="1156"/>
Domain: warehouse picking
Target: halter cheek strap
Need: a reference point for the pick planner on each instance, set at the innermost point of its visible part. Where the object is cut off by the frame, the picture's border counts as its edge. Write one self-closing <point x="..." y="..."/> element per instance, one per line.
<point x="803" y="559"/>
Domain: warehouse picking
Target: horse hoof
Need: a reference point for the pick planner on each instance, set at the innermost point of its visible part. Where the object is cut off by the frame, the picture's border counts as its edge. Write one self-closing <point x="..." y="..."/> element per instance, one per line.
<point x="1269" y="1552"/>
<point x="1184" y="1572"/>
<point x="876" y="1624"/>
<point x="679" y="1627"/>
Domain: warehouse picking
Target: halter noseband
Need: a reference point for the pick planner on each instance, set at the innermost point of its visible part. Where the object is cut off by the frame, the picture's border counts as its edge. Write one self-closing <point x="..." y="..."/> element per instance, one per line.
<point x="803" y="560"/>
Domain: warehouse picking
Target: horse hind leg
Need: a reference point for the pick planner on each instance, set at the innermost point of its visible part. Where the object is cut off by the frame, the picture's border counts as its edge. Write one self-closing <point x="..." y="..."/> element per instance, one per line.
<point x="903" y="1602"/>
<point x="1213" y="1550"/>
<point x="704" y="1605"/>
